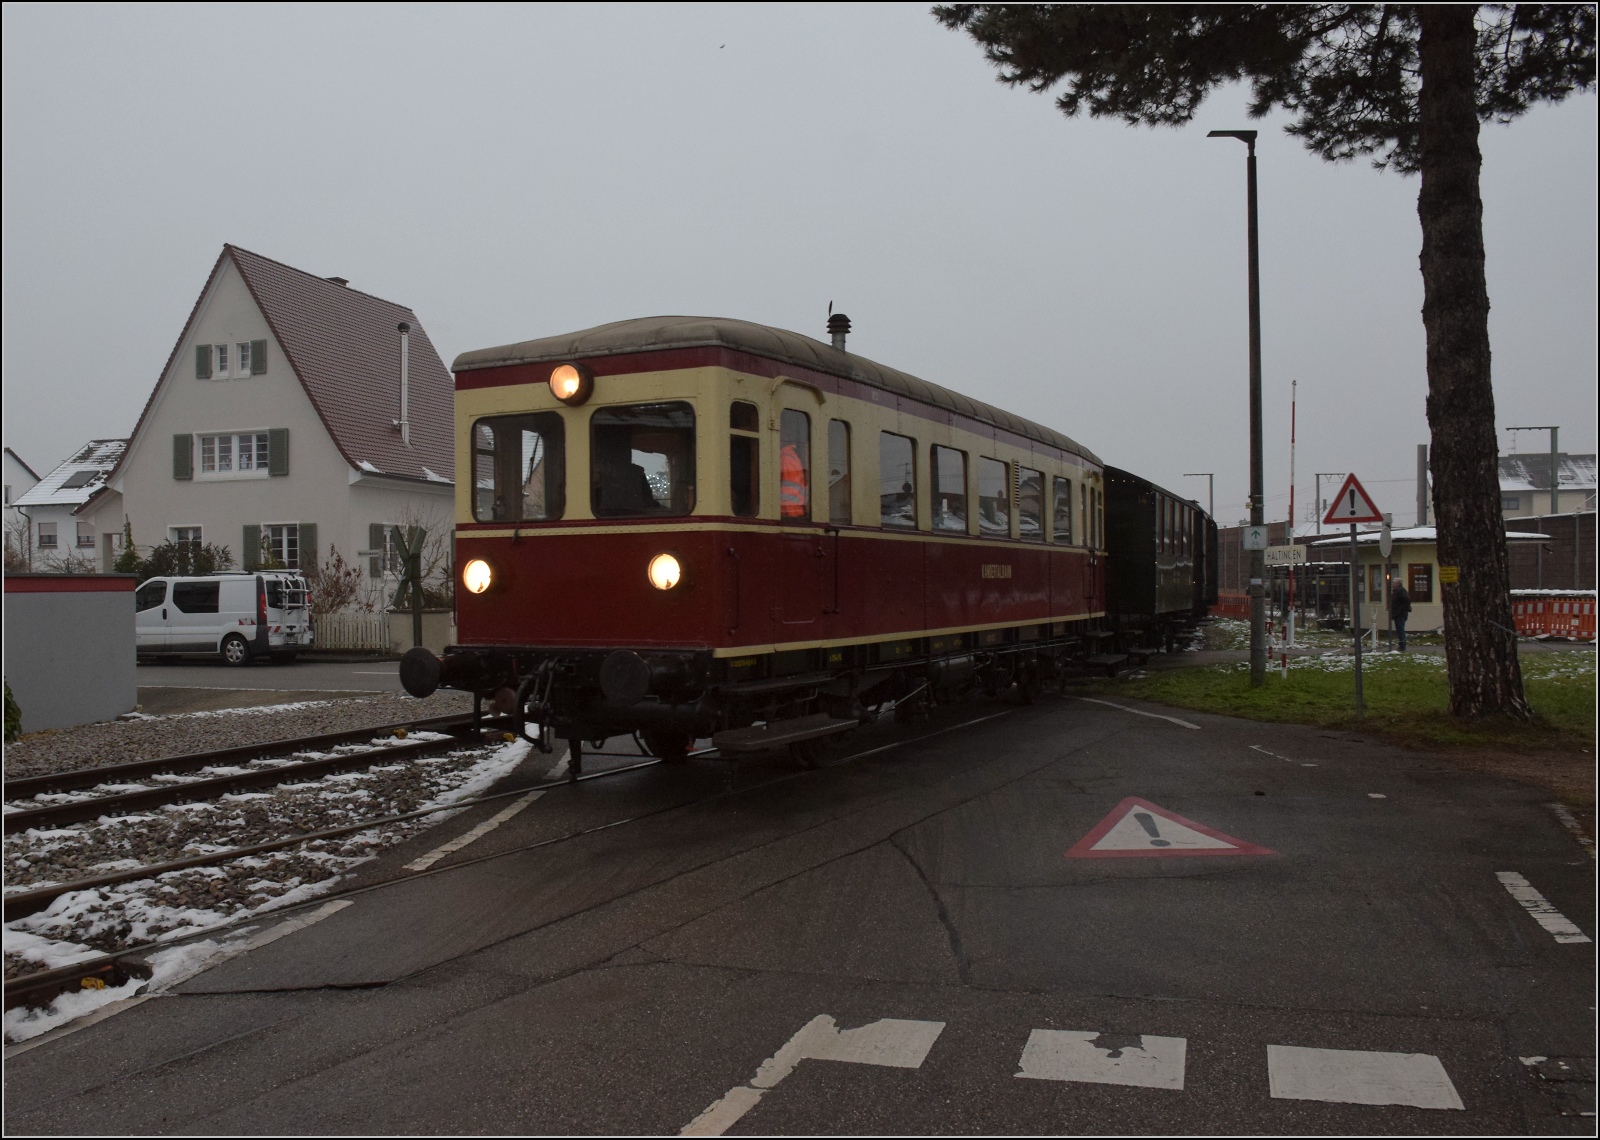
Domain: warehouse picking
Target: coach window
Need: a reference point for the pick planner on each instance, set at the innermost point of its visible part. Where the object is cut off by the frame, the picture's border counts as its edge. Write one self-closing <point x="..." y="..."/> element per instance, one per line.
<point x="1030" y="504"/>
<point x="949" y="489"/>
<point x="994" y="498"/>
<point x="794" y="465"/>
<point x="897" y="480"/>
<point x="1099" y="518"/>
<point x="519" y="468"/>
<point x="839" y="472"/>
<point x="744" y="459"/>
<point x="642" y="460"/>
<point x="1062" y="515"/>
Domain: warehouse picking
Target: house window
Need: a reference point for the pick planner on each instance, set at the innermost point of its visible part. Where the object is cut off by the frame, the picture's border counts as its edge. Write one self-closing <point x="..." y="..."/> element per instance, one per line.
<point x="244" y="357"/>
<point x="47" y="536"/>
<point x="185" y="536"/>
<point x="1510" y="502"/>
<point x="280" y="545"/>
<point x="86" y="535"/>
<point x="243" y="454"/>
<point x="222" y="361"/>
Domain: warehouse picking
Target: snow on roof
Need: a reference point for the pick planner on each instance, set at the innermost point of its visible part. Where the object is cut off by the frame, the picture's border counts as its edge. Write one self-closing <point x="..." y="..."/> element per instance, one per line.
<point x="78" y="479"/>
<point x="1417" y="534"/>
<point x="1530" y="471"/>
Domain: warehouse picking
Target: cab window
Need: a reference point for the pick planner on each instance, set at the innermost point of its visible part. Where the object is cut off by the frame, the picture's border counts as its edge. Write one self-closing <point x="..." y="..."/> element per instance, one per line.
<point x="949" y="489"/>
<point x="519" y="468"/>
<point x="838" y="472"/>
<point x="150" y="595"/>
<point x="794" y="465"/>
<point x="994" y="498"/>
<point x="897" y="480"/>
<point x="1030" y="504"/>
<point x="642" y="460"/>
<point x="744" y="459"/>
<point x="1063" y="511"/>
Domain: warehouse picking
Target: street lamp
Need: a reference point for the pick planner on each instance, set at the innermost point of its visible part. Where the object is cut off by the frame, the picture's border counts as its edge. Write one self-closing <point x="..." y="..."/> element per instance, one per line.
<point x="1211" y="497"/>
<point x="1258" y="604"/>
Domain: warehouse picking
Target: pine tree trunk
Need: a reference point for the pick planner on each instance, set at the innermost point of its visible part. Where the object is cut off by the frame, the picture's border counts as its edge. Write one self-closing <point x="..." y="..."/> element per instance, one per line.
<point x="1480" y="643"/>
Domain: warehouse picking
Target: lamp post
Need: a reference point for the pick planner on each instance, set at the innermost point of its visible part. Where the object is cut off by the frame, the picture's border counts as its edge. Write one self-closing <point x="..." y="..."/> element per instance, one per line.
<point x="1211" y="497"/>
<point x="1258" y="604"/>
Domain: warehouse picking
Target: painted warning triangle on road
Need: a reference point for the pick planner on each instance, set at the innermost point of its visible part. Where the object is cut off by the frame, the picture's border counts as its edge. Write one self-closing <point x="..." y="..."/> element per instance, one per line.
<point x="1352" y="505"/>
<point x="1138" y="827"/>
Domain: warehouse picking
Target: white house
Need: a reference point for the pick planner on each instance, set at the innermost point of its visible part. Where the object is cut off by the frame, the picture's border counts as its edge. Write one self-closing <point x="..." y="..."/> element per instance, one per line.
<point x="58" y="538"/>
<point x="1525" y="484"/>
<point x="19" y="478"/>
<point x="296" y="416"/>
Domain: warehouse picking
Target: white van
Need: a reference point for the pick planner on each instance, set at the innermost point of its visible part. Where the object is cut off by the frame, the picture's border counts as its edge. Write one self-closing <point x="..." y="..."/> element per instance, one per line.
<point x="238" y="616"/>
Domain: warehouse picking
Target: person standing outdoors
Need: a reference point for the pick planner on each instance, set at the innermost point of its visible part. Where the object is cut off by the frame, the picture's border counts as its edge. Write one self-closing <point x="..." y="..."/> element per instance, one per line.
<point x="1399" y="611"/>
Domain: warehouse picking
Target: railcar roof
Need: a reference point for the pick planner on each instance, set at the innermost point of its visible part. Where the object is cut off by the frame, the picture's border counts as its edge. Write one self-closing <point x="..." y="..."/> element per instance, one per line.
<point x="652" y="334"/>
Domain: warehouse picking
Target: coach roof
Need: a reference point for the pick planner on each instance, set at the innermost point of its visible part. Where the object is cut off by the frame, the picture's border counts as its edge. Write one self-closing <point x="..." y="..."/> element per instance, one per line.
<point x="653" y="334"/>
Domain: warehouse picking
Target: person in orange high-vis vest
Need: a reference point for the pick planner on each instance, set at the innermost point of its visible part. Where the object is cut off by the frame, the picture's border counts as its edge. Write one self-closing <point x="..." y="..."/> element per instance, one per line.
<point x="792" y="488"/>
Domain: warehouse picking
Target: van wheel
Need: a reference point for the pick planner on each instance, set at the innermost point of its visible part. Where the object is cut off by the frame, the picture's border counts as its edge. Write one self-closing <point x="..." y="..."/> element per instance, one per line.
<point x="235" y="651"/>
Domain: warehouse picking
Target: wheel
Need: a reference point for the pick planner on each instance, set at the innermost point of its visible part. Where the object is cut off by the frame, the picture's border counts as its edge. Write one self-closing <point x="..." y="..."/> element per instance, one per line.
<point x="235" y="650"/>
<point x="669" y="748"/>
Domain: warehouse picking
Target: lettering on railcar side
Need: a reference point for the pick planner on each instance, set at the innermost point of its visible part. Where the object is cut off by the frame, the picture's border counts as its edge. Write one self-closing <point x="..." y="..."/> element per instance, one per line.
<point x="997" y="569"/>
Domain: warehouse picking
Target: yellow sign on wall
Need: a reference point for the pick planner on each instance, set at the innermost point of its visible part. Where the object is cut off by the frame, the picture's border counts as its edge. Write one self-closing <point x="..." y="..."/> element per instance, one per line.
<point x="1449" y="575"/>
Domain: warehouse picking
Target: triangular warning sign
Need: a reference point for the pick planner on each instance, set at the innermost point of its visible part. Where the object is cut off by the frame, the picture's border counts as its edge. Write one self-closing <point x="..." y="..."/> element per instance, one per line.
<point x="1137" y="827"/>
<point x="1352" y="505"/>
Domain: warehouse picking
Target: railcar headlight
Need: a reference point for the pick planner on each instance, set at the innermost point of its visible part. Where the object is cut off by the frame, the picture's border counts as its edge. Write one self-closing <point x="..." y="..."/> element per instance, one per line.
<point x="664" y="572"/>
<point x="476" y="576"/>
<point x="571" y="383"/>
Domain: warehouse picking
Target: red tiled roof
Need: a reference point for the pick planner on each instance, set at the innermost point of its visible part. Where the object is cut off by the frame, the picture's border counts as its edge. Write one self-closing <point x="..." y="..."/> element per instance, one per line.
<point x="345" y="347"/>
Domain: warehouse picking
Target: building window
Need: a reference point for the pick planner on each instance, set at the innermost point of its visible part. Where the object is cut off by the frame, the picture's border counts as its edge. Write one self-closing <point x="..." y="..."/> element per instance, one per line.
<point x="185" y="536"/>
<point x="280" y="546"/>
<point x="244" y="357"/>
<point x="222" y="361"/>
<point x="243" y="454"/>
<point x="47" y="536"/>
<point x="1419" y="581"/>
<point x="86" y="535"/>
<point x="1510" y="502"/>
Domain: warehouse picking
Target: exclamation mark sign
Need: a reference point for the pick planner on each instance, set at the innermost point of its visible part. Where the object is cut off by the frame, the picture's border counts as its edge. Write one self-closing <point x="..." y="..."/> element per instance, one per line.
<point x="1148" y="822"/>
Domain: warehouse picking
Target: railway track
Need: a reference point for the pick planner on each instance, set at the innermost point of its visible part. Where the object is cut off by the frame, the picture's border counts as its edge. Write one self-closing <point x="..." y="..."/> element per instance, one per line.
<point x="192" y="791"/>
<point x="40" y="986"/>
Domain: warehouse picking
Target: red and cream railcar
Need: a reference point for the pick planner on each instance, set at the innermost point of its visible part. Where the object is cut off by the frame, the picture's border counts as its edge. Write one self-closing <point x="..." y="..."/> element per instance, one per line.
<point x="683" y="526"/>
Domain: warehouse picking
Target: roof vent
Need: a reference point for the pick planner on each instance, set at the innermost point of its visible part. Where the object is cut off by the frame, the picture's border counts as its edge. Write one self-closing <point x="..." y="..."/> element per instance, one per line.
<point x="839" y="327"/>
<point x="338" y="280"/>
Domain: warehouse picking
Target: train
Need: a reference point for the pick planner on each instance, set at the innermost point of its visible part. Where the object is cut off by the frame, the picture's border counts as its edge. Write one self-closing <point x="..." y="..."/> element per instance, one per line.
<point x="690" y="527"/>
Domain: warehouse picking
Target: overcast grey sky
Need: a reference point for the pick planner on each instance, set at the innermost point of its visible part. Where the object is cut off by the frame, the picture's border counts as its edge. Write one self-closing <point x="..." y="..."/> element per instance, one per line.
<point x="512" y="172"/>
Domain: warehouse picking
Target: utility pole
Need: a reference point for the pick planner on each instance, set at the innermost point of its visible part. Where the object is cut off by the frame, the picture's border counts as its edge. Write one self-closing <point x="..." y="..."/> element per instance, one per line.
<point x="1320" y="505"/>
<point x="1211" y="492"/>
<point x="1555" y="464"/>
<point x="1258" y="601"/>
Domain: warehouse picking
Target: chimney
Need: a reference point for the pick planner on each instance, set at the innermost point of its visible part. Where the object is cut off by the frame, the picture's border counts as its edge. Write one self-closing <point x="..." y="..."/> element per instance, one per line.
<point x="839" y="327"/>
<point x="1422" y="484"/>
<point x="404" y="422"/>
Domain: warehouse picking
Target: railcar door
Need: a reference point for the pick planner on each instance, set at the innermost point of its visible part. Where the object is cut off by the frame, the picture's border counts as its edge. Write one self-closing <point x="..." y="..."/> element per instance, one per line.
<point x="802" y="553"/>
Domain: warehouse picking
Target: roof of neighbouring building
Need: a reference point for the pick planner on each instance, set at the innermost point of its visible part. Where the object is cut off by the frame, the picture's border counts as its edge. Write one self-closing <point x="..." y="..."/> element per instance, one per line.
<point x="344" y="346"/>
<point x="1418" y="534"/>
<point x="77" y="479"/>
<point x="23" y="463"/>
<point x="651" y="334"/>
<point x="1530" y="471"/>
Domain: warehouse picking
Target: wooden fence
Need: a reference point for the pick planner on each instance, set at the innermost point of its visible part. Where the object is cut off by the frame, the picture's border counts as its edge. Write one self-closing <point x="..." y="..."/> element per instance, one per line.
<point x="354" y="631"/>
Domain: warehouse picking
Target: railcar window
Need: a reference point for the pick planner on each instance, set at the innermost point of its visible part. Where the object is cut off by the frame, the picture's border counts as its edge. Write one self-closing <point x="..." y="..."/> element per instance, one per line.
<point x="519" y="467"/>
<point x="642" y="460"/>
<point x="1083" y="513"/>
<point x="949" y="489"/>
<point x="839" y="472"/>
<point x="794" y="462"/>
<point x="1099" y="518"/>
<point x="994" y="498"/>
<point x="1030" y="504"/>
<point x="897" y="480"/>
<point x="1063" y="511"/>
<point x="744" y="460"/>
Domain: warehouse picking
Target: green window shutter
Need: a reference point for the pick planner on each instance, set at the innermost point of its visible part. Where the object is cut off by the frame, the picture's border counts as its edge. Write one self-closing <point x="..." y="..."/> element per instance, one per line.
<point x="308" y="548"/>
<point x="251" y="555"/>
<point x="258" y="358"/>
<point x="202" y="362"/>
<point x="278" y="451"/>
<point x="375" y="533"/>
<point x="183" y="457"/>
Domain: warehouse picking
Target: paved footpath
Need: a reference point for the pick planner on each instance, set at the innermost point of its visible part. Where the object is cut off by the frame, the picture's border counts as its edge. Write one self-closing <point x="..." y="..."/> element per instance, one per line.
<point x="1075" y="917"/>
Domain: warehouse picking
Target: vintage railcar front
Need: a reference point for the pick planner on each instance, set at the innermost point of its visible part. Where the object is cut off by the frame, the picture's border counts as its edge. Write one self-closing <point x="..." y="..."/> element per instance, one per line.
<point x="682" y="525"/>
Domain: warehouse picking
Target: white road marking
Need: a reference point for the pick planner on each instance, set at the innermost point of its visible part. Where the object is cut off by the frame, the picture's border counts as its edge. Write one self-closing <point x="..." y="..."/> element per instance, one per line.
<point x="1104" y="1059"/>
<point x="1537" y="905"/>
<point x="460" y="841"/>
<point x="1570" y="822"/>
<point x="925" y="736"/>
<point x="1376" y="796"/>
<point x="1140" y="712"/>
<point x="890" y="1042"/>
<point x="375" y="673"/>
<point x="1356" y="1076"/>
<point x="1133" y="834"/>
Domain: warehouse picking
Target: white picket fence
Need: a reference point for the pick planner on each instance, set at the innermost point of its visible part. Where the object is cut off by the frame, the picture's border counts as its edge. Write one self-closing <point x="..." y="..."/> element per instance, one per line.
<point x="353" y="631"/>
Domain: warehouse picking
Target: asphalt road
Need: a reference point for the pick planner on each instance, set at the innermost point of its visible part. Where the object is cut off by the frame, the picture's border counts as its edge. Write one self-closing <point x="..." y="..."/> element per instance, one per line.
<point x="302" y="676"/>
<point x="628" y="979"/>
